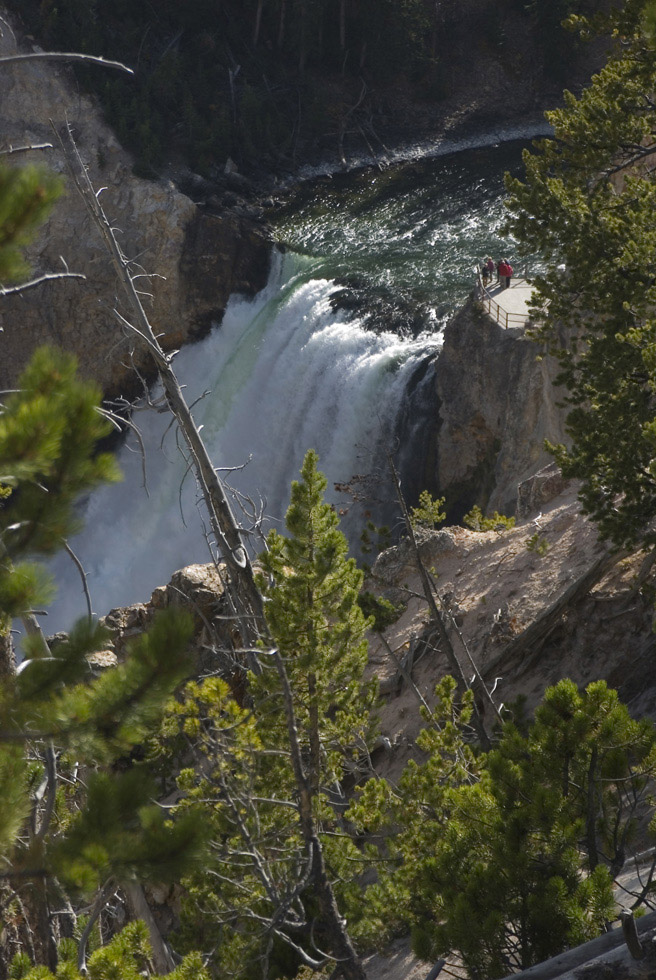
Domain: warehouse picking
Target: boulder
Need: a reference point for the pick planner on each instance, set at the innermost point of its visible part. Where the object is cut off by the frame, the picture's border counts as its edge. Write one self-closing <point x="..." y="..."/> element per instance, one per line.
<point x="539" y="489"/>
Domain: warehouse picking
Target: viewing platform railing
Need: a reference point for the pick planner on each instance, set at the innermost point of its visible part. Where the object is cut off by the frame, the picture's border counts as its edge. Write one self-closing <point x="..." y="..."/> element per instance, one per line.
<point x="503" y="317"/>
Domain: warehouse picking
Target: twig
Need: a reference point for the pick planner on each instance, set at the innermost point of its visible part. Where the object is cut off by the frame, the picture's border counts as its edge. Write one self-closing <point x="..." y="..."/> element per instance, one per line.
<point x="83" y="576"/>
<point x="25" y="149"/>
<point x="50" y="792"/>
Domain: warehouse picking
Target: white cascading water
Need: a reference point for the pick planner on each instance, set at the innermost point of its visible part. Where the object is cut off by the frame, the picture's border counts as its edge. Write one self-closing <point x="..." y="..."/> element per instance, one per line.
<point x="284" y="373"/>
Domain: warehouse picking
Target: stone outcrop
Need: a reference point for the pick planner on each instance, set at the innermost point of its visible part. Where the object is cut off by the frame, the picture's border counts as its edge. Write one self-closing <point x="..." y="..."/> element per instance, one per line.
<point x="497" y="405"/>
<point x="539" y="489"/>
<point x="199" y="589"/>
<point x="201" y="257"/>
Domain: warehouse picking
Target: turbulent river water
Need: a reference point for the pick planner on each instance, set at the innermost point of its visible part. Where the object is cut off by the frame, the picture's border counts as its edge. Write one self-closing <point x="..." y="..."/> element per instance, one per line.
<point x="324" y="357"/>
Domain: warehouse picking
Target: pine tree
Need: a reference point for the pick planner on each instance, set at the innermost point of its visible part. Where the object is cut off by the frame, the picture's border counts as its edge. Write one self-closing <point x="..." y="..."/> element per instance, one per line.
<point x="267" y="897"/>
<point x="586" y="208"/>
<point x="127" y="956"/>
<point x="72" y="824"/>
<point x="313" y="612"/>
<point x="26" y="196"/>
<point x="63" y="836"/>
<point x="507" y="858"/>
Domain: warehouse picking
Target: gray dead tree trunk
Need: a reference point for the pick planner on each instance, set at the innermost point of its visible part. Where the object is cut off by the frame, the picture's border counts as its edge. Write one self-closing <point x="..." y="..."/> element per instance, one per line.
<point x="606" y="958"/>
<point x="244" y="593"/>
<point x="438" y="620"/>
<point x="246" y="596"/>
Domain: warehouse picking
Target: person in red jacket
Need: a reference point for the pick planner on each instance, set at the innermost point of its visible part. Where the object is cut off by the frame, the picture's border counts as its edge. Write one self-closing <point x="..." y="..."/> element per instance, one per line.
<point x="505" y="271"/>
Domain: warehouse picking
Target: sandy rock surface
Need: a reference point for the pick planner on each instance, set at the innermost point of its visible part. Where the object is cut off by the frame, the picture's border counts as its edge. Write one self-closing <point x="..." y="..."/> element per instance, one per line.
<point x="495" y="587"/>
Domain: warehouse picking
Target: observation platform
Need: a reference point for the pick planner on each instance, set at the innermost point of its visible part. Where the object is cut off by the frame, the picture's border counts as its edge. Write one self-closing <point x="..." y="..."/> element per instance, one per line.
<point x="508" y="307"/>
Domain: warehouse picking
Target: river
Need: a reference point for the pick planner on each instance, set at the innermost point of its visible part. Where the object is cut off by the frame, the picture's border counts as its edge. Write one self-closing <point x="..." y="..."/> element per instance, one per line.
<point x="333" y="354"/>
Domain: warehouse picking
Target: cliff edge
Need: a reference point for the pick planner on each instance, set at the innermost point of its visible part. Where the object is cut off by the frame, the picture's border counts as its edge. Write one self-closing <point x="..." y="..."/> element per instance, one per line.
<point x="498" y="402"/>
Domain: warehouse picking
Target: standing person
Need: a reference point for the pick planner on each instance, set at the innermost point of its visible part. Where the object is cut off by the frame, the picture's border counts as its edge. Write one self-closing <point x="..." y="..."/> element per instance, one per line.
<point x="489" y="267"/>
<point x="505" y="271"/>
<point x="485" y="275"/>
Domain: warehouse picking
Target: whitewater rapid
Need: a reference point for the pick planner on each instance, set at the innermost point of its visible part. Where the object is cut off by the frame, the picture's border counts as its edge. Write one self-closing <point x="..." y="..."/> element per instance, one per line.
<point x="283" y="373"/>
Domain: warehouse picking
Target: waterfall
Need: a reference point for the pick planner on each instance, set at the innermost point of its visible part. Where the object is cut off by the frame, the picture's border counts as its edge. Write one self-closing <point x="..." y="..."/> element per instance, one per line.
<point x="282" y="373"/>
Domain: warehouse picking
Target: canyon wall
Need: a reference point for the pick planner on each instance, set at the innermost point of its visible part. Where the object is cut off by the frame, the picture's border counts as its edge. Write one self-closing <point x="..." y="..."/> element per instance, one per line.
<point x="199" y="257"/>
<point x="497" y="404"/>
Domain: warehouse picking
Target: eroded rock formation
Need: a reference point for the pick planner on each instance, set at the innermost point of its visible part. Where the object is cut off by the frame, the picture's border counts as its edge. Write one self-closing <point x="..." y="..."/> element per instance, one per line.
<point x="497" y="405"/>
<point x="201" y="257"/>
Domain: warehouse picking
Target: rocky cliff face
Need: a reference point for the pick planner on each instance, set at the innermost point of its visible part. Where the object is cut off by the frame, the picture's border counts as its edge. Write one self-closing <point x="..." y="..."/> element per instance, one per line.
<point x="497" y="405"/>
<point x="202" y="257"/>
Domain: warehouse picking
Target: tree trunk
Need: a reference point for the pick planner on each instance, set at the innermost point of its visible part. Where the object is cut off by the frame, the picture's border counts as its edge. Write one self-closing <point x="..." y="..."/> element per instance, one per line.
<point x="162" y="959"/>
<point x="258" y="22"/>
<point x="302" y="52"/>
<point x="338" y="939"/>
<point x="281" y="23"/>
<point x="7" y="658"/>
<point x="40" y="923"/>
<point x="244" y="593"/>
<point x="438" y="620"/>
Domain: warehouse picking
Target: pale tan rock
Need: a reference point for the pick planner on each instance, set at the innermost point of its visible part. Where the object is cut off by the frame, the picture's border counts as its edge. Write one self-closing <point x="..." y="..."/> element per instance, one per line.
<point x="202" y="257"/>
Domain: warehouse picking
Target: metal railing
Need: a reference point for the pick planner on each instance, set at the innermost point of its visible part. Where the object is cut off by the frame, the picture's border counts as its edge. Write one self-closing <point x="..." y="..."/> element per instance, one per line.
<point x="492" y="308"/>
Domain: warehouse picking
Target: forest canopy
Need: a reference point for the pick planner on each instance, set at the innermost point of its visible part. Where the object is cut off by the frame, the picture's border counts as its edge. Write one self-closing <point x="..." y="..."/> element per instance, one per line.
<point x="261" y="81"/>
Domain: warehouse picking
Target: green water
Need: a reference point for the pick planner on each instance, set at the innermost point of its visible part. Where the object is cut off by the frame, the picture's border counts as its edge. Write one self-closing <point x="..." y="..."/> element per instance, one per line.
<point x="412" y="234"/>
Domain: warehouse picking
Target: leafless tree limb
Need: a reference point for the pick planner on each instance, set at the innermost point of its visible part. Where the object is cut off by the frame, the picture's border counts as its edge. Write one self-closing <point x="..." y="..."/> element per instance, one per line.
<point x="102" y="898"/>
<point x="47" y="277"/>
<point x="223" y="524"/>
<point x="49" y="792"/>
<point x="11" y="150"/>
<point x="11" y="59"/>
<point x="83" y="575"/>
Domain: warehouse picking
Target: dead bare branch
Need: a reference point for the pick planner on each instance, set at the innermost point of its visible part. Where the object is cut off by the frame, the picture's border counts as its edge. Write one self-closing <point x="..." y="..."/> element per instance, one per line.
<point x="47" y="277"/>
<point x="83" y="575"/>
<point x="11" y="150"/>
<point x="11" y="59"/>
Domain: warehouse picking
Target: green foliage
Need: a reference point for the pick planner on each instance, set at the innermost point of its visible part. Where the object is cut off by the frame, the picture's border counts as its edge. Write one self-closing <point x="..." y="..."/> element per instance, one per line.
<point x="382" y="611"/>
<point x="125" y="957"/>
<point x="383" y="538"/>
<point x="586" y="206"/>
<point x="476" y="521"/>
<point x="53" y="710"/>
<point x="26" y="196"/>
<point x="537" y="544"/>
<point x="48" y="431"/>
<point x="429" y="513"/>
<point x="243" y="783"/>
<point x="508" y="857"/>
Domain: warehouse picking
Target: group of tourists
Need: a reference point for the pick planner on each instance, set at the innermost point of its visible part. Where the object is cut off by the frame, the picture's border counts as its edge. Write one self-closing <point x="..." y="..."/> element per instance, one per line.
<point x="503" y="269"/>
